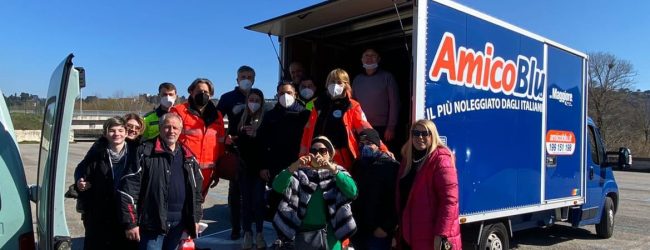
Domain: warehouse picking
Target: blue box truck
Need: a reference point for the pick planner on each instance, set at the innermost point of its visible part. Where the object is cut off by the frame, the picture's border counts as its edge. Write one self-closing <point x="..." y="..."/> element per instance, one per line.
<point x="512" y="106"/>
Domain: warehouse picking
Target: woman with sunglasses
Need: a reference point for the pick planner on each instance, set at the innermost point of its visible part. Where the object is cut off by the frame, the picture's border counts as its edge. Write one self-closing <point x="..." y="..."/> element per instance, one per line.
<point x="96" y="180"/>
<point x="134" y="126"/>
<point x="339" y="118"/>
<point x="315" y="212"/>
<point x="427" y="192"/>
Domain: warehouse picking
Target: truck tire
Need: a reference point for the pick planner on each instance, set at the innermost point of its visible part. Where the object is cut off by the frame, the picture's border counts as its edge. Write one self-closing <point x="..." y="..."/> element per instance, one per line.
<point x="494" y="237"/>
<point x="605" y="228"/>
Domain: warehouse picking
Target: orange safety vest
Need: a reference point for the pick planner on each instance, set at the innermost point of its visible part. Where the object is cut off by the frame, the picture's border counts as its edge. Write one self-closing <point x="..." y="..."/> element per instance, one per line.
<point x="207" y="143"/>
<point x="354" y="121"/>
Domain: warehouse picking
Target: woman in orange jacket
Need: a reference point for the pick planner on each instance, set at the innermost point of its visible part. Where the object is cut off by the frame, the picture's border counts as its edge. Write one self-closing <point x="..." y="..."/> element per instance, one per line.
<point x="339" y="118"/>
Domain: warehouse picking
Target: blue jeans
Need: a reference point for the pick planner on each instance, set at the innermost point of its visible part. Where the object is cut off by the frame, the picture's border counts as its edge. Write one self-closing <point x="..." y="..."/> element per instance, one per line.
<point x="169" y="241"/>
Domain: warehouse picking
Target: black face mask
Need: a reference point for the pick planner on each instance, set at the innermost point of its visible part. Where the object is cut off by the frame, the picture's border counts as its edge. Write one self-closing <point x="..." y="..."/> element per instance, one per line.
<point x="201" y="99"/>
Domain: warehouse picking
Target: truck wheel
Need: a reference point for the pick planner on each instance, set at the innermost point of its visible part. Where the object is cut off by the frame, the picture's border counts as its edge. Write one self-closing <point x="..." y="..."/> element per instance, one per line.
<point x="605" y="228"/>
<point x="494" y="237"/>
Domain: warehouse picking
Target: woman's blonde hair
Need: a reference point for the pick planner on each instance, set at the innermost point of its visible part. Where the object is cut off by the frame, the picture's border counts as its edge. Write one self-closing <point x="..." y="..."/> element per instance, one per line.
<point x="407" y="149"/>
<point x="340" y="75"/>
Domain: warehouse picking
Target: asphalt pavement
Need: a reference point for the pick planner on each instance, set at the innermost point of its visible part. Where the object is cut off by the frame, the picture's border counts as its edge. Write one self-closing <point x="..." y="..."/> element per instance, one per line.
<point x="632" y="222"/>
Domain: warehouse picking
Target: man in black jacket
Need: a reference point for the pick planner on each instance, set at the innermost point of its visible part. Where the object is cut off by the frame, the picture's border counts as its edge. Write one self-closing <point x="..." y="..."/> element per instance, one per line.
<point x="280" y="134"/>
<point x="161" y="194"/>
<point x="375" y="173"/>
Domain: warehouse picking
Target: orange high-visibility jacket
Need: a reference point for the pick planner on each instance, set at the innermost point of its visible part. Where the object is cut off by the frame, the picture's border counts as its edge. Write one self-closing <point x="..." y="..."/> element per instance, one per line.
<point x="207" y="143"/>
<point x="354" y="121"/>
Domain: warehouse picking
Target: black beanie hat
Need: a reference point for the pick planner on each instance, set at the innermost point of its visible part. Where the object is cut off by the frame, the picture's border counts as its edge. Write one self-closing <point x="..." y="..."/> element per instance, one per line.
<point x="371" y="135"/>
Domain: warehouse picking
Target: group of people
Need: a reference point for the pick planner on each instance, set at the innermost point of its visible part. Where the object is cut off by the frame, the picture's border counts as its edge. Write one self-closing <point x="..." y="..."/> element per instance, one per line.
<point x="315" y="164"/>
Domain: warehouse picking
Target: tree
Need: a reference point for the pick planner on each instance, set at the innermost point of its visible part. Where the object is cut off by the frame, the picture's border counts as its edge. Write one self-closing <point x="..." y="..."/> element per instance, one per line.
<point x="608" y="77"/>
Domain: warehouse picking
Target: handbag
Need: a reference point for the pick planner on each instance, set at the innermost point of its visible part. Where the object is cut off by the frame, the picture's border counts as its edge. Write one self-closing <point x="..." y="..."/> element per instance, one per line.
<point x="187" y="244"/>
<point x="72" y="193"/>
<point x="316" y="239"/>
<point x="228" y="165"/>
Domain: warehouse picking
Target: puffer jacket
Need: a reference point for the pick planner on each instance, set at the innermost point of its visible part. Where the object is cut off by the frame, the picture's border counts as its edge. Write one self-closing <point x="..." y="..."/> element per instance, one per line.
<point x="432" y="206"/>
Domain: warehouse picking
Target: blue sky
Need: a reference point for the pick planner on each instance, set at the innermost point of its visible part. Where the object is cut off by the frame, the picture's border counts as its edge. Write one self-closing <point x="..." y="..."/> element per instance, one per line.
<point x="129" y="47"/>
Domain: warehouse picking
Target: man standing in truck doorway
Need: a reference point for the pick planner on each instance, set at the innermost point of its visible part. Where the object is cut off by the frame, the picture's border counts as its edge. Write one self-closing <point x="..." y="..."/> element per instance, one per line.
<point x="375" y="89"/>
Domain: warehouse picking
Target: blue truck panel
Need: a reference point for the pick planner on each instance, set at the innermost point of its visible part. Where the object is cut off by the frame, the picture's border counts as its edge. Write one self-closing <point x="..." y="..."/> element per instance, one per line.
<point x="564" y="113"/>
<point x="484" y="89"/>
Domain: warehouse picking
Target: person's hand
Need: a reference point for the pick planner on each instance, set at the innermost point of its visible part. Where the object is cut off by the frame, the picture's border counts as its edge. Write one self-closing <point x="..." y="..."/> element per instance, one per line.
<point x="133" y="234"/>
<point x="265" y="175"/>
<point x="389" y="134"/>
<point x="391" y="155"/>
<point x="323" y="163"/>
<point x="215" y="179"/>
<point x="379" y="233"/>
<point x="229" y="140"/>
<point x="306" y="160"/>
<point x="83" y="185"/>
<point x="302" y="161"/>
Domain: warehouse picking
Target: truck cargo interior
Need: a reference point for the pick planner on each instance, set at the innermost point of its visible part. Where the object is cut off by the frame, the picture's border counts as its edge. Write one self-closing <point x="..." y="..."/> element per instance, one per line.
<point x="339" y="42"/>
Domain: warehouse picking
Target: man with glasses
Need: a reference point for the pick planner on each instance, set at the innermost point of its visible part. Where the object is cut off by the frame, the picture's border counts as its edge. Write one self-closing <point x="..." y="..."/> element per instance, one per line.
<point x="374" y="209"/>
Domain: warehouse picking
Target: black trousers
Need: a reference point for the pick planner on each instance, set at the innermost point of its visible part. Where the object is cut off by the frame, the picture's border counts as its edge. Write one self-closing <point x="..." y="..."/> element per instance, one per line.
<point x="234" y="203"/>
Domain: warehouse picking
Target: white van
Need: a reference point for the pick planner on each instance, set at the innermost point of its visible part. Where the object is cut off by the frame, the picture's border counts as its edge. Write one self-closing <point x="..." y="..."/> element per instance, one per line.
<point x="15" y="214"/>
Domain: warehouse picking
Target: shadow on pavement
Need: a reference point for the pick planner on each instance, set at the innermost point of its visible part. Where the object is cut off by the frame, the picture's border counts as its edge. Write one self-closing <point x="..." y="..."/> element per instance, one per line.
<point x="550" y="236"/>
<point x="217" y="218"/>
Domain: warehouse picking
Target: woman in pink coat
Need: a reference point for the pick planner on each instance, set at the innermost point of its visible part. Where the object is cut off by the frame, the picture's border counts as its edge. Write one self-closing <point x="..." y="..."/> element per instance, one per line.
<point x="427" y="192"/>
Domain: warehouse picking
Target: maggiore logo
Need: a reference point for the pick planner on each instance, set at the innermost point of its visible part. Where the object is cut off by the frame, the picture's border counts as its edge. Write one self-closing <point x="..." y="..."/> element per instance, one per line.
<point x="563" y="97"/>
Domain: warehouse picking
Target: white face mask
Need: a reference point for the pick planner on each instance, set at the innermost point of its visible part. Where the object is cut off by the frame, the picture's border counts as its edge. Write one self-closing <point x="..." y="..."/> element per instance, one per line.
<point x="245" y="84"/>
<point x="370" y="66"/>
<point x="167" y="101"/>
<point x="306" y="93"/>
<point x="334" y="89"/>
<point x="286" y="100"/>
<point x="253" y="106"/>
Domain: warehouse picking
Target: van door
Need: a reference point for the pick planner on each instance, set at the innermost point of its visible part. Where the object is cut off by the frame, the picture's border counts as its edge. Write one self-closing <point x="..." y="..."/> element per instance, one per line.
<point x="15" y="213"/>
<point x="52" y="230"/>
<point x="595" y="177"/>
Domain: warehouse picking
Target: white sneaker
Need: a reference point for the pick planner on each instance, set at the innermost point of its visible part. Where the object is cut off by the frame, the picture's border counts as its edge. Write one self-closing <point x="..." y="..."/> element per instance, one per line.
<point x="247" y="243"/>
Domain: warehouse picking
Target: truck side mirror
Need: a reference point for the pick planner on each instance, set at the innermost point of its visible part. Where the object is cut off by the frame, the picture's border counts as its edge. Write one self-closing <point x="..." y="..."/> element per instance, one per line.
<point x="621" y="159"/>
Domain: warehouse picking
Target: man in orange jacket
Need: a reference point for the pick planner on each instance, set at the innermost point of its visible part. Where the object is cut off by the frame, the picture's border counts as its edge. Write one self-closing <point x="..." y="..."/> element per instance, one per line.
<point x="203" y="128"/>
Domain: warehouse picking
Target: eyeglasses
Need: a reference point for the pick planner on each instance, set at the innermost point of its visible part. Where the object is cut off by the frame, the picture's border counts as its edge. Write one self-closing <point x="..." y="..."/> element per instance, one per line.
<point x="418" y="133"/>
<point x="133" y="127"/>
<point x="320" y="151"/>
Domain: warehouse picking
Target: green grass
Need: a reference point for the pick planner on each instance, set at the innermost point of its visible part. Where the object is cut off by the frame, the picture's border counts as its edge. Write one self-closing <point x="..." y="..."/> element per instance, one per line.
<point x="27" y="121"/>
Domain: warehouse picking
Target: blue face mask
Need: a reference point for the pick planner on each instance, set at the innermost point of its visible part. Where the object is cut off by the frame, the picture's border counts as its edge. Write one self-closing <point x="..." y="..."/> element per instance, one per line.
<point x="367" y="152"/>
